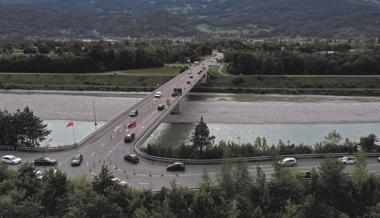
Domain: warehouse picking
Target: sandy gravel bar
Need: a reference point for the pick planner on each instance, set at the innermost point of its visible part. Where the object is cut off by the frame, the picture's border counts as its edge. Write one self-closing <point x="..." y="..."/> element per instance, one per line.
<point x="215" y="108"/>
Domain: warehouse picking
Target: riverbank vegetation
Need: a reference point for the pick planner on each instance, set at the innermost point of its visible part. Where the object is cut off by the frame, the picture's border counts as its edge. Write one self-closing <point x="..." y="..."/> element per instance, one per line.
<point x="330" y="192"/>
<point x="22" y="129"/>
<point x="203" y="147"/>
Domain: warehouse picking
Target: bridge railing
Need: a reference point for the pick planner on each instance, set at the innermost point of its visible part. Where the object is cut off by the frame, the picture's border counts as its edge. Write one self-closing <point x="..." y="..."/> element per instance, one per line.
<point x="249" y="159"/>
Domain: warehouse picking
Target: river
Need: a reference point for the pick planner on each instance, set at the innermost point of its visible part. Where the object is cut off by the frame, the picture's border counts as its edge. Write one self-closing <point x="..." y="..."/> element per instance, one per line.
<point x="294" y="119"/>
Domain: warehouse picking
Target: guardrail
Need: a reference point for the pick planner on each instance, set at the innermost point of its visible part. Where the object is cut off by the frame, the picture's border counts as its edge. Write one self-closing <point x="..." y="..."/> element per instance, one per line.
<point x="249" y="159"/>
<point x="7" y="148"/>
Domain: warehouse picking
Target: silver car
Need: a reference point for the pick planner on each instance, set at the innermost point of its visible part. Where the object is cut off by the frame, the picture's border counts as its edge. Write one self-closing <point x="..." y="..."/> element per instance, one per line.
<point x="120" y="182"/>
<point x="11" y="159"/>
<point x="288" y="162"/>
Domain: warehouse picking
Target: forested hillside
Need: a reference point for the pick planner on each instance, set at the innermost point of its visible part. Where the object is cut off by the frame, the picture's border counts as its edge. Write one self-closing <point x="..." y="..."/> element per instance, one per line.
<point x="229" y="18"/>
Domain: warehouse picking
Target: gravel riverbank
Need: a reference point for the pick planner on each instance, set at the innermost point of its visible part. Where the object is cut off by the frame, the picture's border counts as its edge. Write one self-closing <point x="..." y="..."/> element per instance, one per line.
<point x="215" y="108"/>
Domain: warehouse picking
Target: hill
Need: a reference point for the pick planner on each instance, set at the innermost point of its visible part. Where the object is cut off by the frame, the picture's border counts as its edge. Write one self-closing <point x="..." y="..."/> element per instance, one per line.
<point x="232" y="18"/>
<point x="37" y="20"/>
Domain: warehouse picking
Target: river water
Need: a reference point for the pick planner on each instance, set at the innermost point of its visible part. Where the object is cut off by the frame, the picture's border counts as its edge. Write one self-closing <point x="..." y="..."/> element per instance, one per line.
<point x="293" y="119"/>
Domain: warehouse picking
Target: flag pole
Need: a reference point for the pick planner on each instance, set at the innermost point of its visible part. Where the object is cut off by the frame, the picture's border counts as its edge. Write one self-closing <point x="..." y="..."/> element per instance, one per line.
<point x="74" y="135"/>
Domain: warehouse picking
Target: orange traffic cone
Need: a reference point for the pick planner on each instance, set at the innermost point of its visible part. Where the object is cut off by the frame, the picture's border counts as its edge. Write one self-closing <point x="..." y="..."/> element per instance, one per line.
<point x="90" y="170"/>
<point x="115" y="166"/>
<point x="127" y="176"/>
<point x="162" y="175"/>
<point x="134" y="173"/>
<point x="150" y="173"/>
<point x="125" y="170"/>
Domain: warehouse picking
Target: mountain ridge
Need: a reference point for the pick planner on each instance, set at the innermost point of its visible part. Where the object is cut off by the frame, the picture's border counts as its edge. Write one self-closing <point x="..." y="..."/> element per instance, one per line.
<point x="239" y="18"/>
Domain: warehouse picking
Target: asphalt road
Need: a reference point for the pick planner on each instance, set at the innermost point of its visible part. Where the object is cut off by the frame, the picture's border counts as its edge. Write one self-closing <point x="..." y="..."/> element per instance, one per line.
<point x="107" y="147"/>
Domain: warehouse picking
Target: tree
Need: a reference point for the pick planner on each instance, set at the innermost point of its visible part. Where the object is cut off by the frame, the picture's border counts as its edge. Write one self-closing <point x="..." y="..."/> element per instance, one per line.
<point x="360" y="173"/>
<point x="102" y="180"/>
<point x="367" y="144"/>
<point x="201" y="139"/>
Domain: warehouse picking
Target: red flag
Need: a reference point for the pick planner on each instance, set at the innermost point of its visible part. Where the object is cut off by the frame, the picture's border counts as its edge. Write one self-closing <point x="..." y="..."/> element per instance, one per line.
<point x="132" y="125"/>
<point x="71" y="123"/>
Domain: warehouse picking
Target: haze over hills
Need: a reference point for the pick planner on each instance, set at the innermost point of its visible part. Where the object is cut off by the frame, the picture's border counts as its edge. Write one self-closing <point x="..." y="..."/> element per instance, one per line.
<point x="230" y="18"/>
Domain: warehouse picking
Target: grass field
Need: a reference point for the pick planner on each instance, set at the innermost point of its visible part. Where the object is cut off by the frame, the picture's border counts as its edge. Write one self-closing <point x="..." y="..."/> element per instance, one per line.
<point x="147" y="80"/>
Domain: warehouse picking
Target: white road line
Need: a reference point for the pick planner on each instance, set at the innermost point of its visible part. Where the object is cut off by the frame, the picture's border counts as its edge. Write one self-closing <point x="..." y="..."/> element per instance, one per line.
<point x="143" y="183"/>
<point x="92" y="154"/>
<point x="102" y="145"/>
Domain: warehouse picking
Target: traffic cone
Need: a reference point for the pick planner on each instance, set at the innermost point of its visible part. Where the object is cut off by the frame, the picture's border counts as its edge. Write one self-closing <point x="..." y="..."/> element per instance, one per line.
<point x="108" y="158"/>
<point x="150" y="173"/>
<point x="115" y="166"/>
<point x="90" y="170"/>
<point x="110" y="163"/>
<point x="111" y="136"/>
<point x="134" y="173"/>
<point x="127" y="176"/>
<point x="93" y="164"/>
<point x="162" y="175"/>
<point x="176" y="174"/>
<point x="125" y="170"/>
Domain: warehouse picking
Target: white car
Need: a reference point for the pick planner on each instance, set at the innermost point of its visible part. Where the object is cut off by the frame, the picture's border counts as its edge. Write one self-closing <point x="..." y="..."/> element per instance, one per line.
<point x="120" y="182"/>
<point x="11" y="159"/>
<point x="288" y="162"/>
<point x="38" y="174"/>
<point x="347" y="160"/>
<point x="158" y="95"/>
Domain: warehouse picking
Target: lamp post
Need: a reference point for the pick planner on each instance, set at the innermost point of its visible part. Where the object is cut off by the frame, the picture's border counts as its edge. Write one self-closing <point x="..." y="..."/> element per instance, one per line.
<point x="239" y="140"/>
<point x="43" y="151"/>
<point x="95" y="124"/>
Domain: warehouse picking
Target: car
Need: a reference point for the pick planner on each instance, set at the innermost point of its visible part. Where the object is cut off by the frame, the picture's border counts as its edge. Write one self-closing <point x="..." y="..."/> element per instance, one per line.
<point x="38" y="174"/>
<point x="161" y="107"/>
<point x="306" y="174"/>
<point x="174" y="94"/>
<point x="347" y="160"/>
<point x="129" y="137"/>
<point x="199" y="72"/>
<point x="76" y="160"/>
<point x="158" y="95"/>
<point x="43" y="161"/>
<point x="131" y="158"/>
<point x="191" y="77"/>
<point x="188" y="82"/>
<point x="176" y="166"/>
<point x="120" y="182"/>
<point x="378" y="159"/>
<point x="134" y="113"/>
<point x="11" y="159"/>
<point x="189" y="72"/>
<point x="288" y="162"/>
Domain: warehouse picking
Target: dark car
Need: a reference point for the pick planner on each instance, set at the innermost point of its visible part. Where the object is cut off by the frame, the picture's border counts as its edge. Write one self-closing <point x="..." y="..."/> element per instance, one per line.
<point x="191" y="77"/>
<point x="129" y="137"/>
<point x="177" y="166"/>
<point x="188" y="82"/>
<point x="161" y="107"/>
<point x="76" y="160"/>
<point x="174" y="94"/>
<point x="134" y="113"/>
<point x="43" y="161"/>
<point x="131" y="158"/>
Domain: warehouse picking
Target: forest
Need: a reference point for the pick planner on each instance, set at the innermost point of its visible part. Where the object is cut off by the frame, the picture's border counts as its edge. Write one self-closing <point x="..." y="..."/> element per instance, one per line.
<point x="313" y="57"/>
<point x="330" y="192"/>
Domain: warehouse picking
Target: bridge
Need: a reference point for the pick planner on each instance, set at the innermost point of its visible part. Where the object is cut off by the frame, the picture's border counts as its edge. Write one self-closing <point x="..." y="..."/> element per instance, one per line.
<point x="149" y="117"/>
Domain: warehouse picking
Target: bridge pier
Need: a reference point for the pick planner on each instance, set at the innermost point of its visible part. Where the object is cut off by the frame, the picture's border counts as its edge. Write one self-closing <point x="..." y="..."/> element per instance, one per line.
<point x="176" y="109"/>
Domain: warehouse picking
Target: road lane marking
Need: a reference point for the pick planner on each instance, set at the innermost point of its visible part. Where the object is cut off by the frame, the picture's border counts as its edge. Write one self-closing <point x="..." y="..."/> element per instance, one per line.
<point x="92" y="154"/>
<point x="143" y="183"/>
<point x="102" y="145"/>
